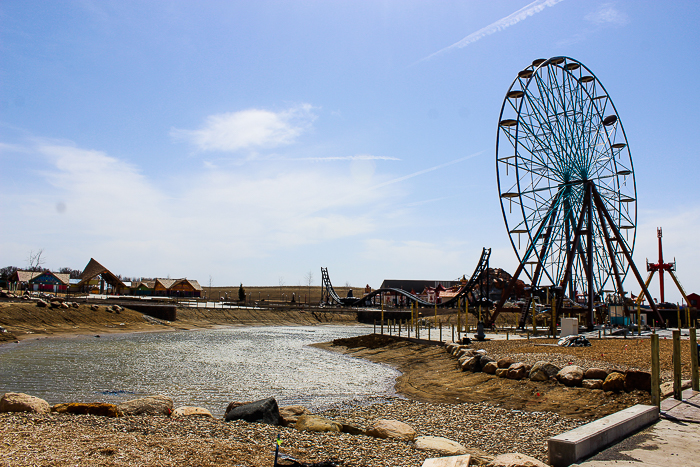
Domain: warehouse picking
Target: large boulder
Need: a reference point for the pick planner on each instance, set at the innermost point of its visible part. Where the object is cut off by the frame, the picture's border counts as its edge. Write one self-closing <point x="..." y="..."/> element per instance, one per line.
<point x="592" y="384"/>
<point x="635" y="379"/>
<point x="502" y="372"/>
<point x="98" y="409"/>
<point x="505" y="362"/>
<point x="614" y="382"/>
<point x="543" y="371"/>
<point x="41" y="303"/>
<point x="463" y="460"/>
<point x="151" y="405"/>
<point x="571" y="375"/>
<point x="76" y="305"/>
<point x="471" y="364"/>
<point x="484" y="360"/>
<point x="465" y="351"/>
<point x="595" y="373"/>
<point x="517" y="371"/>
<point x="444" y="446"/>
<point x="187" y="411"/>
<point x="490" y="368"/>
<point x="515" y="459"/>
<point x="20" y="402"/>
<point x="291" y="413"/>
<point x="317" y="424"/>
<point x="391" y="429"/>
<point x="262" y="411"/>
<point x="94" y="307"/>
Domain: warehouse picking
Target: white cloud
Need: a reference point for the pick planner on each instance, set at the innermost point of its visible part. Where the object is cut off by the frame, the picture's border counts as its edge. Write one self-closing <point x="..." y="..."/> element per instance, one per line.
<point x="503" y="23"/>
<point x="420" y="260"/>
<point x="113" y="212"/>
<point x="607" y="14"/>
<point x="249" y="129"/>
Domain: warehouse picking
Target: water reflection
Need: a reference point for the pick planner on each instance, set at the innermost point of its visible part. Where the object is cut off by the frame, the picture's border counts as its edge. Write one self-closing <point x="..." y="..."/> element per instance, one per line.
<point x="207" y="368"/>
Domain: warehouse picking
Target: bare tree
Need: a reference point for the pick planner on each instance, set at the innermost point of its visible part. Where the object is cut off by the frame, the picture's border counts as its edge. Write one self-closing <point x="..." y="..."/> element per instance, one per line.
<point x="35" y="260"/>
<point x="280" y="281"/>
<point x="309" y="278"/>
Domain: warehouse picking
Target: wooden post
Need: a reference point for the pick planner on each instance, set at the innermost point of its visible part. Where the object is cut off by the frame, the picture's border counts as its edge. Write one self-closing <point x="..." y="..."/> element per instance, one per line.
<point x="507" y="335"/>
<point x="375" y="326"/>
<point x="429" y="329"/>
<point x="382" y="323"/>
<point x="399" y="328"/>
<point x="466" y="316"/>
<point x="436" y="309"/>
<point x="417" y="328"/>
<point x="440" y="331"/>
<point x="534" y="324"/>
<point x="453" y="331"/>
<point x="459" y="320"/>
<point x="677" y="391"/>
<point x="695" y="384"/>
<point x="389" y="325"/>
<point x="679" y="316"/>
<point x="655" y="371"/>
<point x="639" y="319"/>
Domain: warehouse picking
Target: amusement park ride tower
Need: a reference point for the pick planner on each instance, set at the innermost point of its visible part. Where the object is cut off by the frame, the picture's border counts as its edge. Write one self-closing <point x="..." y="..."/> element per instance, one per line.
<point x="661" y="267"/>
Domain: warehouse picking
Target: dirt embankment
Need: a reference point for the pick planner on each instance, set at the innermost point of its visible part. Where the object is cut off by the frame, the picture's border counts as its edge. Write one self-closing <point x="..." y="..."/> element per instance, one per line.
<point x="23" y="319"/>
<point x="430" y="374"/>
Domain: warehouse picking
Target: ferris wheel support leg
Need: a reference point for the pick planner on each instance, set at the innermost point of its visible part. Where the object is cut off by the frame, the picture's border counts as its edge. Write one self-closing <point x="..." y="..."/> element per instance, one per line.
<point x="574" y="247"/>
<point x="589" y="269"/>
<point x="625" y="251"/>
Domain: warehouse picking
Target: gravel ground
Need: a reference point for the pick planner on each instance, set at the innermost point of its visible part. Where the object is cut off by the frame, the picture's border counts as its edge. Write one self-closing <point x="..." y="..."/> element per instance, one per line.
<point x="81" y="440"/>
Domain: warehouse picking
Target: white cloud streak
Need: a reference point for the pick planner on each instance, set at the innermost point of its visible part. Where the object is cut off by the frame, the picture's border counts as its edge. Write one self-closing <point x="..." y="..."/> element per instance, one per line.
<point x="249" y="129"/>
<point x="503" y="23"/>
<point x="607" y="14"/>
<point x="425" y="171"/>
<point x="357" y="157"/>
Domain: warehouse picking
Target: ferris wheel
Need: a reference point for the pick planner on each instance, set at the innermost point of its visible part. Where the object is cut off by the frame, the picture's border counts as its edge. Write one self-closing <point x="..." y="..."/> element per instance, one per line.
<point x="566" y="180"/>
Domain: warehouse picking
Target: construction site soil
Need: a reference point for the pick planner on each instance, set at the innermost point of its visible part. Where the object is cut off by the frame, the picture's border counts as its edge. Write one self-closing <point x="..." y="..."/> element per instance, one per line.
<point x="430" y="374"/>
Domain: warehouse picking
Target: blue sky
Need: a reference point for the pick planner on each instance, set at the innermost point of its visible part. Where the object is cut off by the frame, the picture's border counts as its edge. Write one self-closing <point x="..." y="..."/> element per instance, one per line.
<point x="258" y="141"/>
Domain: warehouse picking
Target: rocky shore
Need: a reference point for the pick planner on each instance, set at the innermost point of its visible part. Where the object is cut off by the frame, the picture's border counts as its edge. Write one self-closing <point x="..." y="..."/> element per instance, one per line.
<point x="149" y="439"/>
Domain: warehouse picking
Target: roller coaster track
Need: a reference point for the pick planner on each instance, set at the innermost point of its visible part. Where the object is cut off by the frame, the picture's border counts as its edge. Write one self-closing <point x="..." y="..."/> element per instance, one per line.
<point x="330" y="295"/>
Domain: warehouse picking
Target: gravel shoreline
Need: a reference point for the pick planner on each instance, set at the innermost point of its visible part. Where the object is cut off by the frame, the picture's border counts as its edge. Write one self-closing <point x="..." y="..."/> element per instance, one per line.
<point x="59" y="439"/>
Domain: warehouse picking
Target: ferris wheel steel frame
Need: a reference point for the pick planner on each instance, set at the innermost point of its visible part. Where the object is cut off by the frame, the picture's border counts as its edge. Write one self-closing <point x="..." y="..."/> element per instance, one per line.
<point x="566" y="183"/>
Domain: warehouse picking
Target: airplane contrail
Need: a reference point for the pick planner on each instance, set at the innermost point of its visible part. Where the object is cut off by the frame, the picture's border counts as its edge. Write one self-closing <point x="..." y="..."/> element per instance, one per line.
<point x="424" y="171"/>
<point x="503" y="23"/>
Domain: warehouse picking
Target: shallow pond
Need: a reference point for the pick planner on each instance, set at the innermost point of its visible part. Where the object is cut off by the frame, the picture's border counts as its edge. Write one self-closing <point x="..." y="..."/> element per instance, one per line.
<point x="206" y="368"/>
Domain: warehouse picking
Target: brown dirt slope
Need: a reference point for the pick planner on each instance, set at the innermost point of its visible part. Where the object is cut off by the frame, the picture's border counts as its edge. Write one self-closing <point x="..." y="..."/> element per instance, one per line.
<point x="23" y="319"/>
<point x="430" y="374"/>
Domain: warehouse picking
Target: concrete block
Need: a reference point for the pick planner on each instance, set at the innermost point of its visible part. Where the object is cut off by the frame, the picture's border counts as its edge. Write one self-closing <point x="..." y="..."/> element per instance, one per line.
<point x="450" y="461"/>
<point x="569" y="447"/>
<point x="569" y="327"/>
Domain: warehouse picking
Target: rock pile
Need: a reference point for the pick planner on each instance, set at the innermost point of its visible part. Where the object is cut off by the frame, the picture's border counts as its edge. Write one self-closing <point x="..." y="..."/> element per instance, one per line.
<point x="473" y="360"/>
